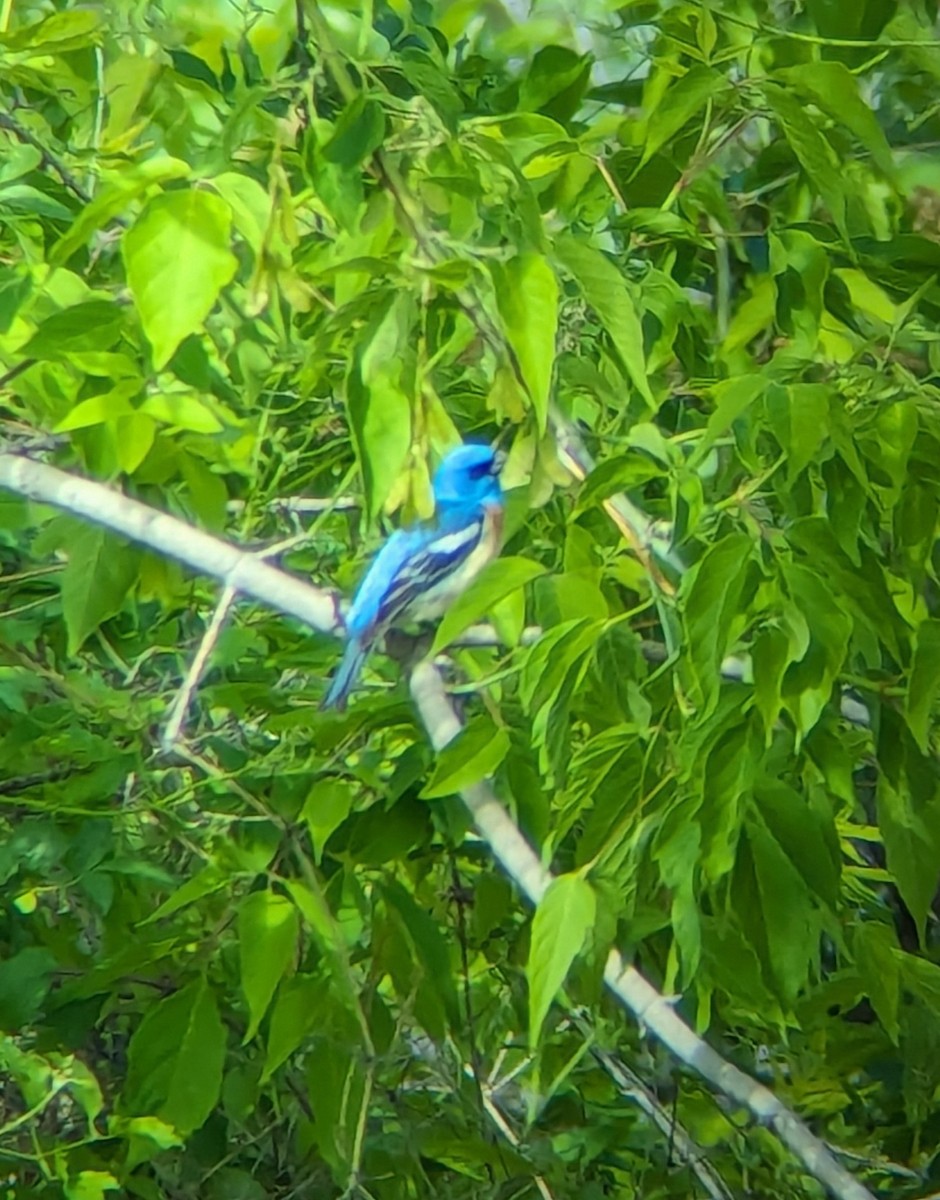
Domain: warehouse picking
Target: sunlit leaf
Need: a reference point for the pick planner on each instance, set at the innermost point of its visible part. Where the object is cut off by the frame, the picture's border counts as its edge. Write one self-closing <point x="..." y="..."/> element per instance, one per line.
<point x="178" y="259"/>
<point x="562" y="922"/>
<point x="267" y="942"/>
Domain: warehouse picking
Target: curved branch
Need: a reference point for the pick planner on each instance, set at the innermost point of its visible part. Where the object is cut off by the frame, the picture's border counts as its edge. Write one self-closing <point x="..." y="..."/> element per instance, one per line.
<point x="239" y="569"/>
<point x="634" y="992"/>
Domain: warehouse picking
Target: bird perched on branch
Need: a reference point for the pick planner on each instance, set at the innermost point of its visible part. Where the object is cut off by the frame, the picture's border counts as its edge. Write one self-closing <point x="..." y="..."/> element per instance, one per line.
<point x="422" y="569"/>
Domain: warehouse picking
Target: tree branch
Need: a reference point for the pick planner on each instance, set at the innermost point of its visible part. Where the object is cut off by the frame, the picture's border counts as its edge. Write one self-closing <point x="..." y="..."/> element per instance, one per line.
<point x="233" y="567"/>
<point x="655" y="1012"/>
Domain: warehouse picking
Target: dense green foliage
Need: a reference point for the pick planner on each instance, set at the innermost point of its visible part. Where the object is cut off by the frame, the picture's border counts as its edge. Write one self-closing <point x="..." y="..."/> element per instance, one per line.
<point x="242" y="262"/>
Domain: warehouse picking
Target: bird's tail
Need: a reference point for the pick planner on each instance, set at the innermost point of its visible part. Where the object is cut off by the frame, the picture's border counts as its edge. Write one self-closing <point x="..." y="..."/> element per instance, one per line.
<point x="346" y="675"/>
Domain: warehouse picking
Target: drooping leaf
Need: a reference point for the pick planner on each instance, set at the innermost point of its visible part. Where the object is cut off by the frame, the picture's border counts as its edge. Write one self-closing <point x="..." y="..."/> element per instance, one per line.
<point x="912" y="847"/>
<point x="178" y="259"/>
<point x="682" y="100"/>
<point x="359" y="131"/>
<point x="294" y="1015"/>
<point x="175" y="1059"/>
<point x="563" y="919"/>
<point x="378" y="404"/>
<point x="924" y="681"/>
<point x="267" y="943"/>
<point x="811" y="149"/>
<point x="527" y="294"/>
<point x="501" y="579"/>
<point x="875" y="952"/>
<point x="833" y="87"/>
<point x="95" y="583"/>
<point x="606" y="290"/>
<point x="710" y="607"/>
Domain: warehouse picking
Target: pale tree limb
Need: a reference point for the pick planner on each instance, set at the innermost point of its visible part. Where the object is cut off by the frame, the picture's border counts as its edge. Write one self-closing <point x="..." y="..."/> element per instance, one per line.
<point x="243" y="570"/>
<point x="239" y="569"/>
<point x="654" y="1011"/>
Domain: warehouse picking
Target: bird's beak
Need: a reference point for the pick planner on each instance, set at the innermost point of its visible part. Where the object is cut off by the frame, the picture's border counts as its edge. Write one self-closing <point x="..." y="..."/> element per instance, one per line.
<point x="499" y="461"/>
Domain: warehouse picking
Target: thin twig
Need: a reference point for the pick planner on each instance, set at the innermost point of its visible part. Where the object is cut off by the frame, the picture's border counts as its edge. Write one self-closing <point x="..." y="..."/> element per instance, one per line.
<point x="48" y="160"/>
<point x="181" y="703"/>
<point x="631" y="1086"/>
<point x="20" y="367"/>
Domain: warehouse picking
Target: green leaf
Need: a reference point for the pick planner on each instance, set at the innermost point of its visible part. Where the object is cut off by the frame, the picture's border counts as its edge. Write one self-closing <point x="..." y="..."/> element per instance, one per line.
<point x="806" y="833"/>
<point x="681" y="101"/>
<point x="733" y="397"/>
<point x="175" y="1059"/>
<point x="178" y="259"/>
<point x="24" y="984"/>
<point x="30" y="201"/>
<point x="327" y="806"/>
<point x="562" y="922"/>
<point x="91" y="1185"/>
<point x="210" y="879"/>
<point x="61" y="32"/>
<point x="811" y="148"/>
<point x="711" y="604"/>
<point x="527" y="294"/>
<point x="497" y="581"/>
<point x="96" y="410"/>
<point x="605" y="289"/>
<point x="329" y="936"/>
<point x="113" y="199"/>
<point x="790" y="916"/>
<point x="431" y="949"/>
<point x="181" y="411"/>
<point x="92" y="325"/>
<point x="808" y="684"/>
<point x="773" y="650"/>
<point x="359" y="131"/>
<point x="377" y="399"/>
<point x="296" y="1012"/>
<point x="555" y="82"/>
<point x="250" y="204"/>
<point x="834" y="89"/>
<point x="888" y="447"/>
<point x="267" y="942"/>
<point x="95" y="583"/>
<point x="912" y="847"/>
<point x="135" y="434"/>
<point x="801" y="423"/>
<point x="923" y="682"/>
<point x="474" y="754"/>
<point x="876" y="955"/>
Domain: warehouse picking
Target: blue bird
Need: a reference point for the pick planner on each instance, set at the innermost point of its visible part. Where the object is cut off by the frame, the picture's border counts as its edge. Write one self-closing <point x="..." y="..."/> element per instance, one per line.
<point x="422" y="569"/>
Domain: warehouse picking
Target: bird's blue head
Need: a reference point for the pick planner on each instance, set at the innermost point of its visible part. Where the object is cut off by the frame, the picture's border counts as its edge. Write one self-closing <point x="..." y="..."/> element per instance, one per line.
<point x="468" y="476"/>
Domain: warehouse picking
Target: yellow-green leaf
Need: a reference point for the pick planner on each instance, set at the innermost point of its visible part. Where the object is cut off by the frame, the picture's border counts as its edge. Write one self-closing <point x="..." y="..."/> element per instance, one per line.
<point x="178" y="259"/>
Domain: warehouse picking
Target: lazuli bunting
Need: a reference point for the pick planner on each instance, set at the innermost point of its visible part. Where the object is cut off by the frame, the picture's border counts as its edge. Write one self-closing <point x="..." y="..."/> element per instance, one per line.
<point x="422" y="569"/>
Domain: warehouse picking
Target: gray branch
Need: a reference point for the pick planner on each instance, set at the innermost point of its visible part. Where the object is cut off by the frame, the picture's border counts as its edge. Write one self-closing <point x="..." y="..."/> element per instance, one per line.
<point x="239" y="569"/>
<point x="653" y="1010"/>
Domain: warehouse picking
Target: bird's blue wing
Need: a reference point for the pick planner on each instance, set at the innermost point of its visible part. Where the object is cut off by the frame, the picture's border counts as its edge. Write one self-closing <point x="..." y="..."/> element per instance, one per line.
<point x="365" y="611"/>
<point x="411" y="565"/>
